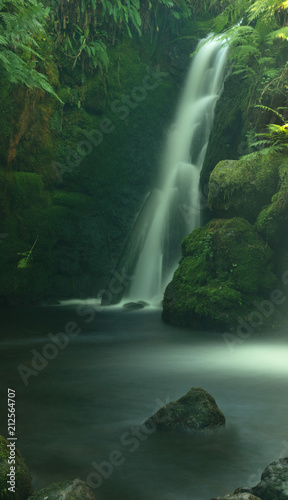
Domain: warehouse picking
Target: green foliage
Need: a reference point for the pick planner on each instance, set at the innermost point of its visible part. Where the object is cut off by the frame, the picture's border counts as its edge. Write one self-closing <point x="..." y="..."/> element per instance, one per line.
<point x="84" y="29"/>
<point x="275" y="140"/>
<point x="26" y="260"/>
<point x="20" y="23"/>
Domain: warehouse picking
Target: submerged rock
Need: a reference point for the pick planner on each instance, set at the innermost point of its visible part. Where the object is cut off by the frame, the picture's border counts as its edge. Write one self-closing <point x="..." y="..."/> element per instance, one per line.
<point x="225" y="267"/>
<point x="134" y="305"/>
<point x="22" y="475"/>
<point x="274" y="481"/>
<point x="69" y="490"/>
<point x="196" y="411"/>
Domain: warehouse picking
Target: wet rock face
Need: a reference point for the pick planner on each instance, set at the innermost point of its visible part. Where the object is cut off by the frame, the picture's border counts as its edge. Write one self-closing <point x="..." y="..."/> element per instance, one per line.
<point x="274" y="481"/>
<point x="196" y="411"/>
<point x="69" y="490"/>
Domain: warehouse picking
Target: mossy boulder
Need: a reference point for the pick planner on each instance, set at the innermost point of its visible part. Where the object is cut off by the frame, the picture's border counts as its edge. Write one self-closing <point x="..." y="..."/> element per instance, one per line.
<point x="243" y="187"/>
<point x="225" y="266"/>
<point x="196" y="411"/>
<point x="22" y="477"/>
<point x="69" y="490"/>
<point x="273" y="219"/>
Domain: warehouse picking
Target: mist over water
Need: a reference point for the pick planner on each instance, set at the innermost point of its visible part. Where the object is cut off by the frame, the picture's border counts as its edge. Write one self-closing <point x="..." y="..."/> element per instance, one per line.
<point x="115" y="374"/>
<point x="165" y="222"/>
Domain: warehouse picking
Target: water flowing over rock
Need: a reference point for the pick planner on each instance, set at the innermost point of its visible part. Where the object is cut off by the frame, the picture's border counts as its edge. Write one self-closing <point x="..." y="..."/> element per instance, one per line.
<point x="196" y="411"/>
<point x="70" y="490"/>
<point x="173" y="209"/>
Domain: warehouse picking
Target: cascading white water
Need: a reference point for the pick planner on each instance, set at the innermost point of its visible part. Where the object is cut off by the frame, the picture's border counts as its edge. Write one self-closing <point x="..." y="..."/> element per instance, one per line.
<point x="176" y="205"/>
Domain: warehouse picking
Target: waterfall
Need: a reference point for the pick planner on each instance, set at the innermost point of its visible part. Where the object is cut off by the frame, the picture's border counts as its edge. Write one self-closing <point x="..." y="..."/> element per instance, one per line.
<point x="174" y="209"/>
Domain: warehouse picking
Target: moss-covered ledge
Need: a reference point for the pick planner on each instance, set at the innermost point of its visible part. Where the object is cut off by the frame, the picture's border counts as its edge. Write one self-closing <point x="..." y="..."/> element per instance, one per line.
<point x="225" y="266"/>
<point x="243" y="187"/>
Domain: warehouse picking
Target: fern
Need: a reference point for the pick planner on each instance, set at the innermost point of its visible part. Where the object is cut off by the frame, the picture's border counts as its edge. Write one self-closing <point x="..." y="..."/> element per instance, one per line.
<point x="266" y="108"/>
<point x="281" y="33"/>
<point x="265" y="8"/>
<point x="20" y="22"/>
<point x="276" y="139"/>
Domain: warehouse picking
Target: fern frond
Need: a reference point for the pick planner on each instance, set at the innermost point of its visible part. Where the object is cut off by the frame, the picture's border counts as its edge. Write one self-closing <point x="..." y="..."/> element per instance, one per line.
<point x="266" y="108"/>
<point x="282" y="34"/>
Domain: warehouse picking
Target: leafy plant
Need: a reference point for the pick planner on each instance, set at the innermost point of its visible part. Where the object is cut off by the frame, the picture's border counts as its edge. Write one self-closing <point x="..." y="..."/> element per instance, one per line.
<point x="20" y="23"/>
<point x="275" y="140"/>
<point x="26" y="260"/>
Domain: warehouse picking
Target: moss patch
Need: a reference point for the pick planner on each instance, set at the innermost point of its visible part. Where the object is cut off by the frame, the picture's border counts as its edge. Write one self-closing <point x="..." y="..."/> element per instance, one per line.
<point x="197" y="411"/>
<point x="225" y="266"/>
<point x="273" y="219"/>
<point x="241" y="188"/>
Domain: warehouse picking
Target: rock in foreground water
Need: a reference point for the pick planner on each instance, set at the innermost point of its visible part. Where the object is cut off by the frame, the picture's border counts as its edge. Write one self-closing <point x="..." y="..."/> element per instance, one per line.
<point x="23" y="486"/>
<point x="274" y="481"/>
<point x="238" y="496"/>
<point x="69" y="490"/>
<point x="196" y="411"/>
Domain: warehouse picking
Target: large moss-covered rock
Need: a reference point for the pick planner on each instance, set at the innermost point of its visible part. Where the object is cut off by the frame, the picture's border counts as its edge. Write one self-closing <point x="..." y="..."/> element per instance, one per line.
<point x="243" y="187"/>
<point x="225" y="266"/>
<point x="23" y="487"/>
<point x="69" y="490"/>
<point x="196" y="411"/>
<point x="273" y="219"/>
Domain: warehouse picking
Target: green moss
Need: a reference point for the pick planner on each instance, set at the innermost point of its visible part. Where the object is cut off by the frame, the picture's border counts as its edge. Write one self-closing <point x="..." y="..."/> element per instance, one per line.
<point x="272" y="220"/>
<point x="197" y="410"/>
<point x="225" y="266"/>
<point x="27" y="190"/>
<point x="72" y="200"/>
<point x="23" y="478"/>
<point x="243" y="187"/>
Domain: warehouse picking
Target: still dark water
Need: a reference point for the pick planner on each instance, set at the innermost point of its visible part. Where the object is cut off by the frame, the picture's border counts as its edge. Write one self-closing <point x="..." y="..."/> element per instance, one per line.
<point x="91" y="398"/>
